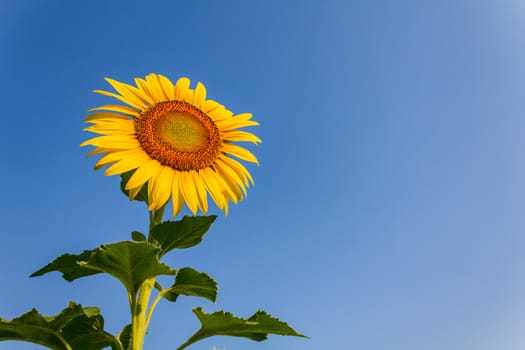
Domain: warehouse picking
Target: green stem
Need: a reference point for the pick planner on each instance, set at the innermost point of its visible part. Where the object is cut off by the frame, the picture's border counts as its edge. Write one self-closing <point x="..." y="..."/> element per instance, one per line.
<point x="152" y="307"/>
<point x="140" y="315"/>
<point x="135" y="329"/>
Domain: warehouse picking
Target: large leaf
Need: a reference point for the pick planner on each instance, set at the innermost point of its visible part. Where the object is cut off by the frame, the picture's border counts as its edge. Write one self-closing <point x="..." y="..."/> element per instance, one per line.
<point x="184" y="233"/>
<point x="33" y="328"/>
<point x="193" y="283"/>
<point x="70" y="313"/>
<point x="142" y="196"/>
<point x="59" y="332"/>
<point x="87" y="333"/>
<point x="257" y="327"/>
<point x="72" y="266"/>
<point x="130" y="262"/>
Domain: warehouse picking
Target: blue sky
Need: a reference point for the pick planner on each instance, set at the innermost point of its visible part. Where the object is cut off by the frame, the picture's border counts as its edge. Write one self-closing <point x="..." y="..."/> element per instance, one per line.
<point x="387" y="211"/>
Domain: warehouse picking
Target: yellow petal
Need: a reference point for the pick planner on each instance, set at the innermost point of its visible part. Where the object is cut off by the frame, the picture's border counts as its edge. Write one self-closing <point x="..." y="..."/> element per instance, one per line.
<point x="112" y="122"/>
<point x="234" y="123"/>
<point x="113" y="142"/>
<point x="239" y="169"/>
<point x="230" y="177"/>
<point x="143" y="174"/>
<point x="133" y="192"/>
<point x="133" y="102"/>
<point x="229" y="192"/>
<point x="154" y="86"/>
<point x="121" y="167"/>
<point x="199" y="95"/>
<point x="144" y="88"/>
<point x="209" y="178"/>
<point x="130" y="92"/>
<point x="189" y="96"/>
<point x="177" y="199"/>
<point x="181" y="88"/>
<point x="219" y="113"/>
<point x="122" y="127"/>
<point x="97" y="151"/>
<point x="239" y="152"/>
<point x="116" y="108"/>
<point x="187" y="188"/>
<point x="143" y="95"/>
<point x="167" y="87"/>
<point x="113" y="157"/>
<point x="210" y="105"/>
<point x="201" y="191"/>
<point x="105" y="116"/>
<point x="244" y="116"/>
<point x="130" y="162"/>
<point x="161" y="187"/>
<point x="151" y="199"/>
<point x="239" y="136"/>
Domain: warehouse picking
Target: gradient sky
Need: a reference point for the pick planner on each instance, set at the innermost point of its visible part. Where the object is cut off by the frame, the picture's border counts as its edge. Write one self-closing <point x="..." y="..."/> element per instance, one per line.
<point x="387" y="211"/>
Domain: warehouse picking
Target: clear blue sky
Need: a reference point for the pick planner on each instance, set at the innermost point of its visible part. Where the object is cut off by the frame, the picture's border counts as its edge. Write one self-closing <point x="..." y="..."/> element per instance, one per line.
<point x="387" y="211"/>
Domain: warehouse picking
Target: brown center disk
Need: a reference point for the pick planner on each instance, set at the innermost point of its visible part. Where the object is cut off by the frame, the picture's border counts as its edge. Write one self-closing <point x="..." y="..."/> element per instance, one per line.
<point x="178" y="135"/>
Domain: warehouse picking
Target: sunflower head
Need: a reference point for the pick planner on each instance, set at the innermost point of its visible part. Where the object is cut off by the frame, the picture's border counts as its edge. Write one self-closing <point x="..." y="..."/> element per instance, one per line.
<point x="175" y="141"/>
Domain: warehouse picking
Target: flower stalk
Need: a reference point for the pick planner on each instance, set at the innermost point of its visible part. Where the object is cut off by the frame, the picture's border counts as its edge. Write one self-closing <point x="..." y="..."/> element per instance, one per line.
<point x="140" y="313"/>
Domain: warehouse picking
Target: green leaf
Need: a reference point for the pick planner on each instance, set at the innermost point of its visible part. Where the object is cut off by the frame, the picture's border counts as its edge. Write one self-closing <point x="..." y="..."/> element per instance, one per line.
<point x="70" y="313"/>
<point x="257" y="327"/>
<point x="72" y="266"/>
<point x="125" y="337"/>
<point x="138" y="236"/>
<point x="193" y="283"/>
<point x="130" y="262"/>
<point x="59" y="332"/>
<point x="87" y="333"/>
<point x="142" y="196"/>
<point x="184" y="233"/>
<point x="32" y="328"/>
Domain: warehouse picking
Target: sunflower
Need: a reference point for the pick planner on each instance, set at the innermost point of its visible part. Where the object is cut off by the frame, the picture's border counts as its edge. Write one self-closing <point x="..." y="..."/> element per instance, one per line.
<point x="177" y="143"/>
